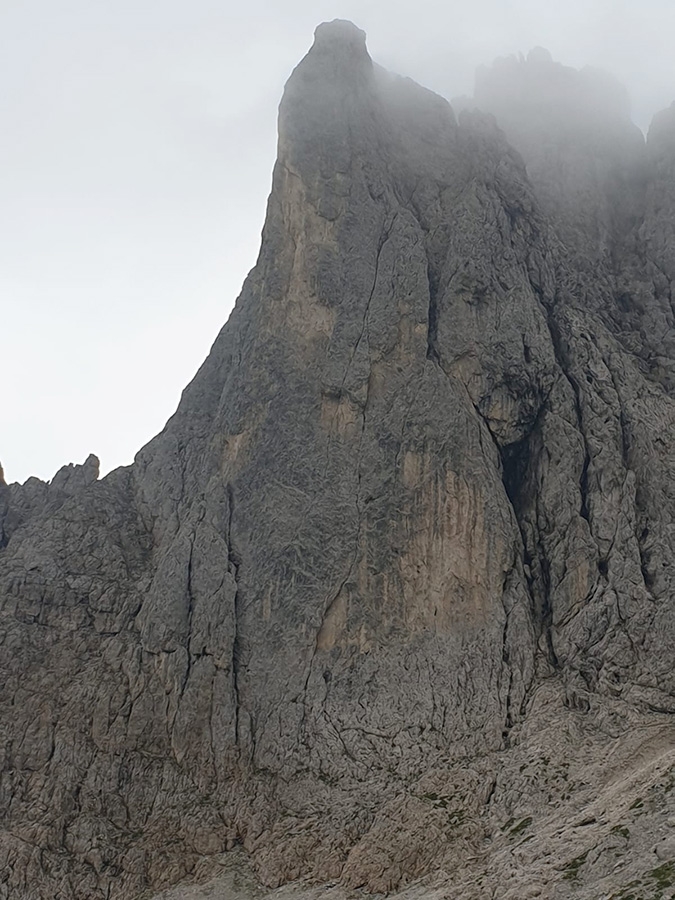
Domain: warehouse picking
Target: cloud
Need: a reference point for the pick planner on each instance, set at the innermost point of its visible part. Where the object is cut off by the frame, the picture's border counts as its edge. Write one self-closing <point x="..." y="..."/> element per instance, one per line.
<point x="138" y="142"/>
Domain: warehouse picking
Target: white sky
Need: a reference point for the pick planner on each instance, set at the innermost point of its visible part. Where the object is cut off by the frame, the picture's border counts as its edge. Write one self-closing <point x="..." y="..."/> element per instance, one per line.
<point x="137" y="139"/>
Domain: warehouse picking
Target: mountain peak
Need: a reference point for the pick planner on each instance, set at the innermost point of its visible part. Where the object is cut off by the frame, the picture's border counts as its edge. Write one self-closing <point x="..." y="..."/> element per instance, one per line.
<point x="342" y="44"/>
<point x="539" y="55"/>
<point x="391" y="595"/>
<point x="339" y="31"/>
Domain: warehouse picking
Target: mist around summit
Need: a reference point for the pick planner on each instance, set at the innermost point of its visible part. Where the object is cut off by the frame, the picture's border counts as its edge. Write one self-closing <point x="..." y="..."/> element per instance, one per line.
<point x="139" y="142"/>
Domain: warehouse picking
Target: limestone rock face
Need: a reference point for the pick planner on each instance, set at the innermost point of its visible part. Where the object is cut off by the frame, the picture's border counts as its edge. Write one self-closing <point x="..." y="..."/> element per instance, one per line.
<point x="391" y="596"/>
<point x="584" y="156"/>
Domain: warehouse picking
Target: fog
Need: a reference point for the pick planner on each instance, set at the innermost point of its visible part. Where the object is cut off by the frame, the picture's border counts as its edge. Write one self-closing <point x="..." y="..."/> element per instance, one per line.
<point x="137" y="146"/>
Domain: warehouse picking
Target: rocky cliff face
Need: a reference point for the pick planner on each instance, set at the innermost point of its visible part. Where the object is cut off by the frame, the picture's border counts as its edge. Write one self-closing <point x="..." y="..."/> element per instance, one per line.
<point x="390" y="597"/>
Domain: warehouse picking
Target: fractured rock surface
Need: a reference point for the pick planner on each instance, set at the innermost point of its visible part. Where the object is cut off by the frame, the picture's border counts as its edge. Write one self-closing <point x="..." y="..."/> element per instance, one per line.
<point x="391" y="596"/>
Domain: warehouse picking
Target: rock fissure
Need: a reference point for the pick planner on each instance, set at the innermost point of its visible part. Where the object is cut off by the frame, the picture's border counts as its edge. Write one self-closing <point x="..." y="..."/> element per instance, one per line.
<point x="233" y="563"/>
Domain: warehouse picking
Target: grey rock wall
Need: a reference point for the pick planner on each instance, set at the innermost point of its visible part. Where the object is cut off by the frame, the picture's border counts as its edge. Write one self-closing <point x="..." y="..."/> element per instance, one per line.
<point x="390" y="596"/>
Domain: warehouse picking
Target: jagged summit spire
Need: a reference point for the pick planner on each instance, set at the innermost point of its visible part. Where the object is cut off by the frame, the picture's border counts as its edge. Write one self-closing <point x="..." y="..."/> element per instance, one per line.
<point x="322" y="96"/>
<point x="341" y="42"/>
<point x="339" y="31"/>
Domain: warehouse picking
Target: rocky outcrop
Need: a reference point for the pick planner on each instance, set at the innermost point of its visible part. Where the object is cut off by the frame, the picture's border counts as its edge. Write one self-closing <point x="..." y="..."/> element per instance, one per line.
<point x="19" y="503"/>
<point x="390" y="595"/>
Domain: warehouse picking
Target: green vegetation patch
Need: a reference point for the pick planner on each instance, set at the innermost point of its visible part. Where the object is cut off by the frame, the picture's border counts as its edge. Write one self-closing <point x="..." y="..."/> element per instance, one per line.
<point x="664" y="875"/>
<point x="521" y="826"/>
<point x="573" y="866"/>
<point x="627" y="893"/>
<point x="651" y="886"/>
<point x="456" y="815"/>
